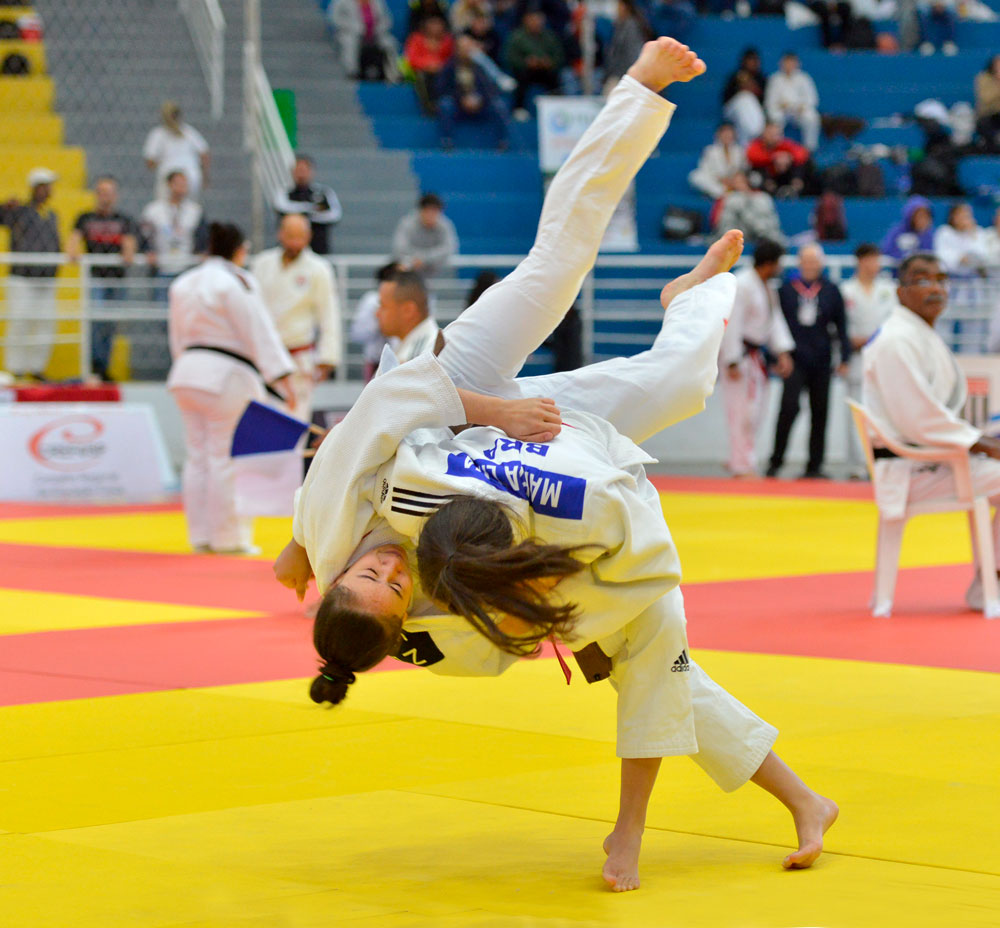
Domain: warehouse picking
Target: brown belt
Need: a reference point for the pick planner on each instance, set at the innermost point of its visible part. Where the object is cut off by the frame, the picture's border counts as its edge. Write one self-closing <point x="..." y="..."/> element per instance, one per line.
<point x="595" y="664"/>
<point x="302" y="348"/>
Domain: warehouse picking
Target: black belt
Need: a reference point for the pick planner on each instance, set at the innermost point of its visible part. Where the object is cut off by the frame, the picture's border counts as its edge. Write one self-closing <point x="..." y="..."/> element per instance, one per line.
<point x="883" y="453"/>
<point x="236" y="356"/>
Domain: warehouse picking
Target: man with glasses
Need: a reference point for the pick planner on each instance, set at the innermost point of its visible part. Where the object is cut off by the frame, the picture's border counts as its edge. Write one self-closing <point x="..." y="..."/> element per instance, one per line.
<point x="914" y="388"/>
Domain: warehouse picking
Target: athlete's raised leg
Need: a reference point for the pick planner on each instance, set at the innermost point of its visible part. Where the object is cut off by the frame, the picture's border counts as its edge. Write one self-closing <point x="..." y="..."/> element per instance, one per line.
<point x="488" y="344"/>
<point x="650" y="391"/>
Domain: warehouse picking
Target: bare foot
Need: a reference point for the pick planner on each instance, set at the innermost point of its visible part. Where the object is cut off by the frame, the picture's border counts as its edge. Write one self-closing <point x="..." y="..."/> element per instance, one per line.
<point x="811" y="822"/>
<point x="621" y="869"/>
<point x="665" y="61"/>
<point x="719" y="258"/>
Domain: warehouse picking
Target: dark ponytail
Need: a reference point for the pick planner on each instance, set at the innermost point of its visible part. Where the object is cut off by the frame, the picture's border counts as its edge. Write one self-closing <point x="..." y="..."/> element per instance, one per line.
<point x="349" y="641"/>
<point x="469" y="562"/>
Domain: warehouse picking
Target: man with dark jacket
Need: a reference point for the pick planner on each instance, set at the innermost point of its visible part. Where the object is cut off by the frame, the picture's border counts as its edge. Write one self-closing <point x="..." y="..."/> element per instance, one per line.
<point x="811" y="305"/>
<point x="467" y="92"/>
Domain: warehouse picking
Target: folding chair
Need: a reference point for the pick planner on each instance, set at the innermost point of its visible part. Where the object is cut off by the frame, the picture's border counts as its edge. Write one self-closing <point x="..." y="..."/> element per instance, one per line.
<point x="890" y="531"/>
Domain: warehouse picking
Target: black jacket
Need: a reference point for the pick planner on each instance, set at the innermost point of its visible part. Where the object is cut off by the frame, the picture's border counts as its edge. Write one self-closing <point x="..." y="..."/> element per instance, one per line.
<point x="814" y="342"/>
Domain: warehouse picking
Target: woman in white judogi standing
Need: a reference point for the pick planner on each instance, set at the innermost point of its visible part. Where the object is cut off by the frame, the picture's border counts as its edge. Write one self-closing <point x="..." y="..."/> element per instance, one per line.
<point x="587" y="489"/>
<point x="756" y="328"/>
<point x="225" y="351"/>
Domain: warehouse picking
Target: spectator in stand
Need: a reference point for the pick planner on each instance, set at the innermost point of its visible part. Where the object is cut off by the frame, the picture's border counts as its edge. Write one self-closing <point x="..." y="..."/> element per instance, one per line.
<point x="466" y="92"/>
<point x="365" y="329"/>
<point x="176" y="146"/>
<point x="869" y="298"/>
<point x="836" y="19"/>
<point x="718" y="163"/>
<point x="937" y="26"/>
<point x="913" y="232"/>
<point x="363" y="29"/>
<point x="991" y="243"/>
<point x="421" y="11"/>
<point x="425" y="240"/>
<point x="557" y="14"/>
<point x="31" y="294"/>
<point x="749" y="76"/>
<point x="104" y="231"/>
<point x="744" y="111"/>
<point x="427" y="52"/>
<point x="812" y="306"/>
<point x="317" y="202"/>
<point x="791" y="97"/>
<point x="988" y="103"/>
<point x="463" y="12"/>
<point x="482" y="29"/>
<point x="783" y="165"/>
<point x="631" y="33"/>
<point x="750" y="210"/>
<point x="174" y="230"/>
<point x="534" y="54"/>
<point x="960" y="245"/>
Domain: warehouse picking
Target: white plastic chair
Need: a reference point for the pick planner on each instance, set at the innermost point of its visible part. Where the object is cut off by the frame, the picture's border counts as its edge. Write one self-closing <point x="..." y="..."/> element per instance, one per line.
<point x="890" y="531"/>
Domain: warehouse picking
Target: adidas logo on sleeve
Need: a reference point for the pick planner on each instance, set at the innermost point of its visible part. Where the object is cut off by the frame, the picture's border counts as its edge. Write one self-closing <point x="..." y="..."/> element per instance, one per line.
<point x="682" y="664"/>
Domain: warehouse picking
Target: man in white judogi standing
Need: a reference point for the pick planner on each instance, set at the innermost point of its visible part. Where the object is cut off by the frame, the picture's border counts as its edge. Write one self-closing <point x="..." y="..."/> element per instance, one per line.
<point x="915" y="390"/>
<point x="869" y="298"/>
<point x="300" y="292"/>
<point x="756" y="328"/>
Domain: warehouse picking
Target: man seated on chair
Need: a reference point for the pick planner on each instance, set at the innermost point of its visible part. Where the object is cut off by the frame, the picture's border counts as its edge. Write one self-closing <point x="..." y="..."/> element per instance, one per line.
<point x="914" y="389"/>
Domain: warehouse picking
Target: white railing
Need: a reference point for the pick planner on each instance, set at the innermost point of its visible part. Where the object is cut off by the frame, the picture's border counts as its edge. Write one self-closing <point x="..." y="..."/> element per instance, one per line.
<point x="619" y="302"/>
<point x="266" y="137"/>
<point x="207" y="26"/>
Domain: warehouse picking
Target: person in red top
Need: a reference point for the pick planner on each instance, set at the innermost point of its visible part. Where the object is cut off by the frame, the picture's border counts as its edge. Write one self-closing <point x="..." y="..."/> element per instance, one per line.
<point x="784" y="165"/>
<point x="427" y="52"/>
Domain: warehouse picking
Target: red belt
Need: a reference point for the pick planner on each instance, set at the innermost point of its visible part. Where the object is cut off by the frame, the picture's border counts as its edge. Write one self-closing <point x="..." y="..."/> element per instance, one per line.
<point x="302" y="348"/>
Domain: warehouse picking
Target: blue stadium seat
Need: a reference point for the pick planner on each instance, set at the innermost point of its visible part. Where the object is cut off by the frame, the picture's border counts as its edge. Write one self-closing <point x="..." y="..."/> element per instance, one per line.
<point x="980" y="175"/>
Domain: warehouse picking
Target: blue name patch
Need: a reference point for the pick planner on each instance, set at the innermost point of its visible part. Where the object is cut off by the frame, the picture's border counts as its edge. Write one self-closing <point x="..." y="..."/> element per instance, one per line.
<point x="548" y="493"/>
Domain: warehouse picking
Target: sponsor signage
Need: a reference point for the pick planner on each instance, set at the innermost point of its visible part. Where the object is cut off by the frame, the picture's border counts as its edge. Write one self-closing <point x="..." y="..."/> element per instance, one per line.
<point x="79" y="452"/>
<point x="561" y="122"/>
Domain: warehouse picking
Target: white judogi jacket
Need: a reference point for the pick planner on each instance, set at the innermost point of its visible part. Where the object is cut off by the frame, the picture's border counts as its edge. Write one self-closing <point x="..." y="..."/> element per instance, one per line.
<point x="419" y="340"/>
<point x="302" y="299"/>
<point x="866" y="310"/>
<point x="914" y="388"/>
<point x="756" y="319"/>
<point x="219" y="304"/>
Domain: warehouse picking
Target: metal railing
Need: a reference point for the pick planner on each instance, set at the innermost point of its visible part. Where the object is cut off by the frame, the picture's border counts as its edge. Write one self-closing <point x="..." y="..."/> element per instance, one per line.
<point x="207" y="26"/>
<point x="619" y="304"/>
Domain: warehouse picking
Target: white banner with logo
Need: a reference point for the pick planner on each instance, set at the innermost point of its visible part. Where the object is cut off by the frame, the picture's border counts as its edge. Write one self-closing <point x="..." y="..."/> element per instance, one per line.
<point x="561" y="122"/>
<point x="82" y="452"/>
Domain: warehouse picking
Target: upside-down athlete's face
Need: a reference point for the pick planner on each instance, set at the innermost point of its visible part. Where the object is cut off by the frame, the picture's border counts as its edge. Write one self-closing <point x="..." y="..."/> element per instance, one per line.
<point x="381" y="581"/>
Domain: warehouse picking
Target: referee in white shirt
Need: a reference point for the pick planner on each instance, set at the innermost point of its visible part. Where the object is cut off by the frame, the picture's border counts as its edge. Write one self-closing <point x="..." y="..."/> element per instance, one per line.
<point x="300" y="292"/>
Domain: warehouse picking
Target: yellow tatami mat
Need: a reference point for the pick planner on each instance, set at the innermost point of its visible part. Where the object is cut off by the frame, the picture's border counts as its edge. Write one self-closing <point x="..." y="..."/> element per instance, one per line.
<point x="427" y="801"/>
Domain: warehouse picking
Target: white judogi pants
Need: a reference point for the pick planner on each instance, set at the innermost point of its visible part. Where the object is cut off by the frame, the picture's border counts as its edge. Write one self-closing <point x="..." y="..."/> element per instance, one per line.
<point x="745" y="400"/>
<point x="209" y="482"/>
<point x="31" y="324"/>
<point x="303" y="383"/>
<point x="661" y="712"/>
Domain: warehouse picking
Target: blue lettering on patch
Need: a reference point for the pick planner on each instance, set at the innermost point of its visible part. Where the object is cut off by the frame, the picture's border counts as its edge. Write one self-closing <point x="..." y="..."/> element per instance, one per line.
<point x="548" y="493"/>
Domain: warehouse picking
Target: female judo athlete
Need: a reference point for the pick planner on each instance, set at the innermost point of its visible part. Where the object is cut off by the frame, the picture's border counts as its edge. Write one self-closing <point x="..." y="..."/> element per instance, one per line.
<point x="519" y="536"/>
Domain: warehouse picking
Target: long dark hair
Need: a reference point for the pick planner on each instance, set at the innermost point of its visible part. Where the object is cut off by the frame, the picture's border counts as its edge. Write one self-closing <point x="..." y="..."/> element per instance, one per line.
<point x="349" y="641"/>
<point x="469" y="562"/>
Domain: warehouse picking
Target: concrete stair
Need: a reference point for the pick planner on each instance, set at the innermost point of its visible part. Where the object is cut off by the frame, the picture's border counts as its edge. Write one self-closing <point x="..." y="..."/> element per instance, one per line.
<point x="375" y="186"/>
<point x="115" y="62"/>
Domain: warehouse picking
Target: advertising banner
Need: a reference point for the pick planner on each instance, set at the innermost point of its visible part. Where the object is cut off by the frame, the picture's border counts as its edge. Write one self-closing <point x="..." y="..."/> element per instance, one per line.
<point x="82" y="452"/>
<point x="561" y="122"/>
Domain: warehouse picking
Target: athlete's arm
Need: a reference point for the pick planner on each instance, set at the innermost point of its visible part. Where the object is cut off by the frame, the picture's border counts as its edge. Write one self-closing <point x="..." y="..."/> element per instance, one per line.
<point x="535" y="419"/>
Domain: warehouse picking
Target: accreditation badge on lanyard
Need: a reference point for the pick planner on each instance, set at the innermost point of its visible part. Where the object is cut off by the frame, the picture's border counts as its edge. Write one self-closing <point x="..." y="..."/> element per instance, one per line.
<point x="808" y="301"/>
